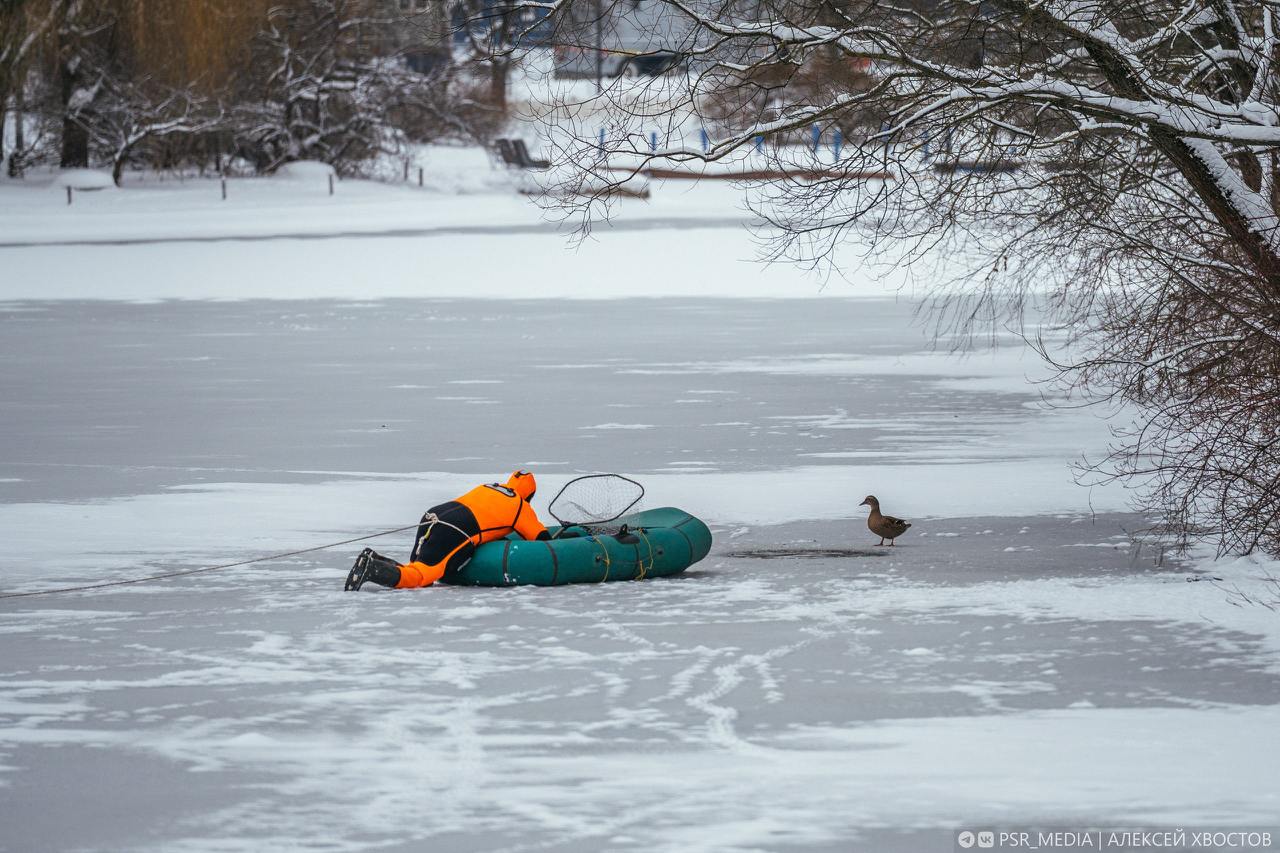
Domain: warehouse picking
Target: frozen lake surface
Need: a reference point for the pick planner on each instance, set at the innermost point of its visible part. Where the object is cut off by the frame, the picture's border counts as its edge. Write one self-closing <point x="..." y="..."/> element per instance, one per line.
<point x="111" y="398"/>
<point x="1014" y="661"/>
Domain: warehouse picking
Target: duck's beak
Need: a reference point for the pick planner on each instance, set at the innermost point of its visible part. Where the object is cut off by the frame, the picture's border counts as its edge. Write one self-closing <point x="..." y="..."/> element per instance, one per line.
<point x="864" y="503"/>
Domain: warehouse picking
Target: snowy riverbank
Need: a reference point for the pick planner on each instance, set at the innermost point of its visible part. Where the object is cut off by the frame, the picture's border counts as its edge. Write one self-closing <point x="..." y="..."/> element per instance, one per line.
<point x="287" y="238"/>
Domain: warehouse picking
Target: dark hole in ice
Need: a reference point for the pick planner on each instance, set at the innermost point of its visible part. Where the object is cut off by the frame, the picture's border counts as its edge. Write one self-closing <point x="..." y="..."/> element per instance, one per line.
<point x="781" y="553"/>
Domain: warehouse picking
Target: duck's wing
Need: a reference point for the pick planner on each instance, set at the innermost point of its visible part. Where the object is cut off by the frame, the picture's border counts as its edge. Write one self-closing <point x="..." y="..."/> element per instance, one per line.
<point x="895" y="522"/>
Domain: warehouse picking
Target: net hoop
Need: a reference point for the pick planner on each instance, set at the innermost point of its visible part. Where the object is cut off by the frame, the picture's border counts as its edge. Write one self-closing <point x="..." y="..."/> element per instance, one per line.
<point x="551" y="508"/>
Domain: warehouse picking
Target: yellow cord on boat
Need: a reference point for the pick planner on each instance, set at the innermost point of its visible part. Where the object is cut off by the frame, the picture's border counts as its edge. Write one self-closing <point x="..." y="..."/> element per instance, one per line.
<point x="607" y="562"/>
<point x="643" y="568"/>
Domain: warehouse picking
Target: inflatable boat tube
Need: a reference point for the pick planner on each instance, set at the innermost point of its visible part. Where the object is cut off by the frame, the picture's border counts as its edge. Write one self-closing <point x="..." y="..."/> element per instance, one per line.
<point x="658" y="543"/>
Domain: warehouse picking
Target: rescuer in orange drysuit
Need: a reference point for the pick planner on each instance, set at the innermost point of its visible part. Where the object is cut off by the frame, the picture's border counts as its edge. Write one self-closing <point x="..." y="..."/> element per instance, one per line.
<point x="450" y="532"/>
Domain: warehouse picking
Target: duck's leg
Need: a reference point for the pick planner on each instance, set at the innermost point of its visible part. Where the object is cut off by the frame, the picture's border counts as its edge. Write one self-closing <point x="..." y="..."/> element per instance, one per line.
<point x="881" y="545"/>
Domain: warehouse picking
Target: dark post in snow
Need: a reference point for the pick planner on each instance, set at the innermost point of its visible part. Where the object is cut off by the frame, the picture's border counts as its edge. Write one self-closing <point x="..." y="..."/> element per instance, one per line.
<point x="331" y="185"/>
<point x="68" y="196"/>
<point x="224" y="187"/>
<point x="419" y="176"/>
<point x="406" y="171"/>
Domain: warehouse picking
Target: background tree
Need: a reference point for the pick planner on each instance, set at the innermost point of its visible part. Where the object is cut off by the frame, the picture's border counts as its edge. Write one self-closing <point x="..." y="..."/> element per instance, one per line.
<point x="329" y="82"/>
<point x="181" y="84"/>
<point x="24" y="25"/>
<point x="1113" y="162"/>
<point x="492" y="31"/>
<point x="82" y="50"/>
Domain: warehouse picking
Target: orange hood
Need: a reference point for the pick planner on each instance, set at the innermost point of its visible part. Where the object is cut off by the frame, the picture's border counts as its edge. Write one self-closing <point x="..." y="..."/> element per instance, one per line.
<point x="523" y="484"/>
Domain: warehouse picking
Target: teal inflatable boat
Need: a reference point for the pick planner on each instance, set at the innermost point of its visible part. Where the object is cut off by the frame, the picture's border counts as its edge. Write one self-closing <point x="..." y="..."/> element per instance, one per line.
<point x="657" y="543"/>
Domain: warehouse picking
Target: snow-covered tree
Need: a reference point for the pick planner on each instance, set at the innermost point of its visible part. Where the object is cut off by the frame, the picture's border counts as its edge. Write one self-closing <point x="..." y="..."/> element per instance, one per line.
<point x="492" y="30"/>
<point x="130" y="115"/>
<point x="24" y="25"/>
<point x="183" y="83"/>
<point x="87" y="59"/>
<point x="325" y="85"/>
<point x="1120" y="154"/>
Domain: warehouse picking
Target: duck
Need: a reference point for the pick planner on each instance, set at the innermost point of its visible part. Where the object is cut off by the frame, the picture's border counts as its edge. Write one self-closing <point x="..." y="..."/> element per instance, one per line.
<point x="884" y="526"/>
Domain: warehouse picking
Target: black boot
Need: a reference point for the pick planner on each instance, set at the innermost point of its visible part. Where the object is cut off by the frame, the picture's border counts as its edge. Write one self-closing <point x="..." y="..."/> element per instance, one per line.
<point x="372" y="566"/>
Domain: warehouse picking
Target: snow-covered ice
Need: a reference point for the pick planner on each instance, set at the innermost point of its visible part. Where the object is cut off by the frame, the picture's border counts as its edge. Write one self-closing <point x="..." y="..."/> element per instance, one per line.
<point x="1015" y="659"/>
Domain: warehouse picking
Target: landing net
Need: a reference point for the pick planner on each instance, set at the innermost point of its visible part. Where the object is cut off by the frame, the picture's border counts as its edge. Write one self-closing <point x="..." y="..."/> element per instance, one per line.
<point x="595" y="499"/>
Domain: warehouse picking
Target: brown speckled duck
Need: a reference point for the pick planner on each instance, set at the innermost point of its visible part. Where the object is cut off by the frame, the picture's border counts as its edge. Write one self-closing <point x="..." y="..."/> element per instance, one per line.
<point x="884" y="526"/>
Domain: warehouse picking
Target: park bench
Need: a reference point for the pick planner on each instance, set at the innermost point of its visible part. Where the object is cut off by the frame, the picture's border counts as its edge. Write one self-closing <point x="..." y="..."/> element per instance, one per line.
<point x="515" y="153"/>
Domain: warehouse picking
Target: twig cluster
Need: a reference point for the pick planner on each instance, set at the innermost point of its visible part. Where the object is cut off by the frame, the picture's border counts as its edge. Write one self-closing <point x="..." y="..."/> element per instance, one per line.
<point x="1110" y="164"/>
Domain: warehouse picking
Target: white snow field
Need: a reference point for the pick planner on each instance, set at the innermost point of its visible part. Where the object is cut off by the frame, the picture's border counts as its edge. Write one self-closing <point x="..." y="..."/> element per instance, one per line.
<point x="183" y="389"/>
<point x="427" y="241"/>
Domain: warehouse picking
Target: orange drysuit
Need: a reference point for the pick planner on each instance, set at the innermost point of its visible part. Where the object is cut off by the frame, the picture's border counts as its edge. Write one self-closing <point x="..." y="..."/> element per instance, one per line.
<point x="450" y="532"/>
